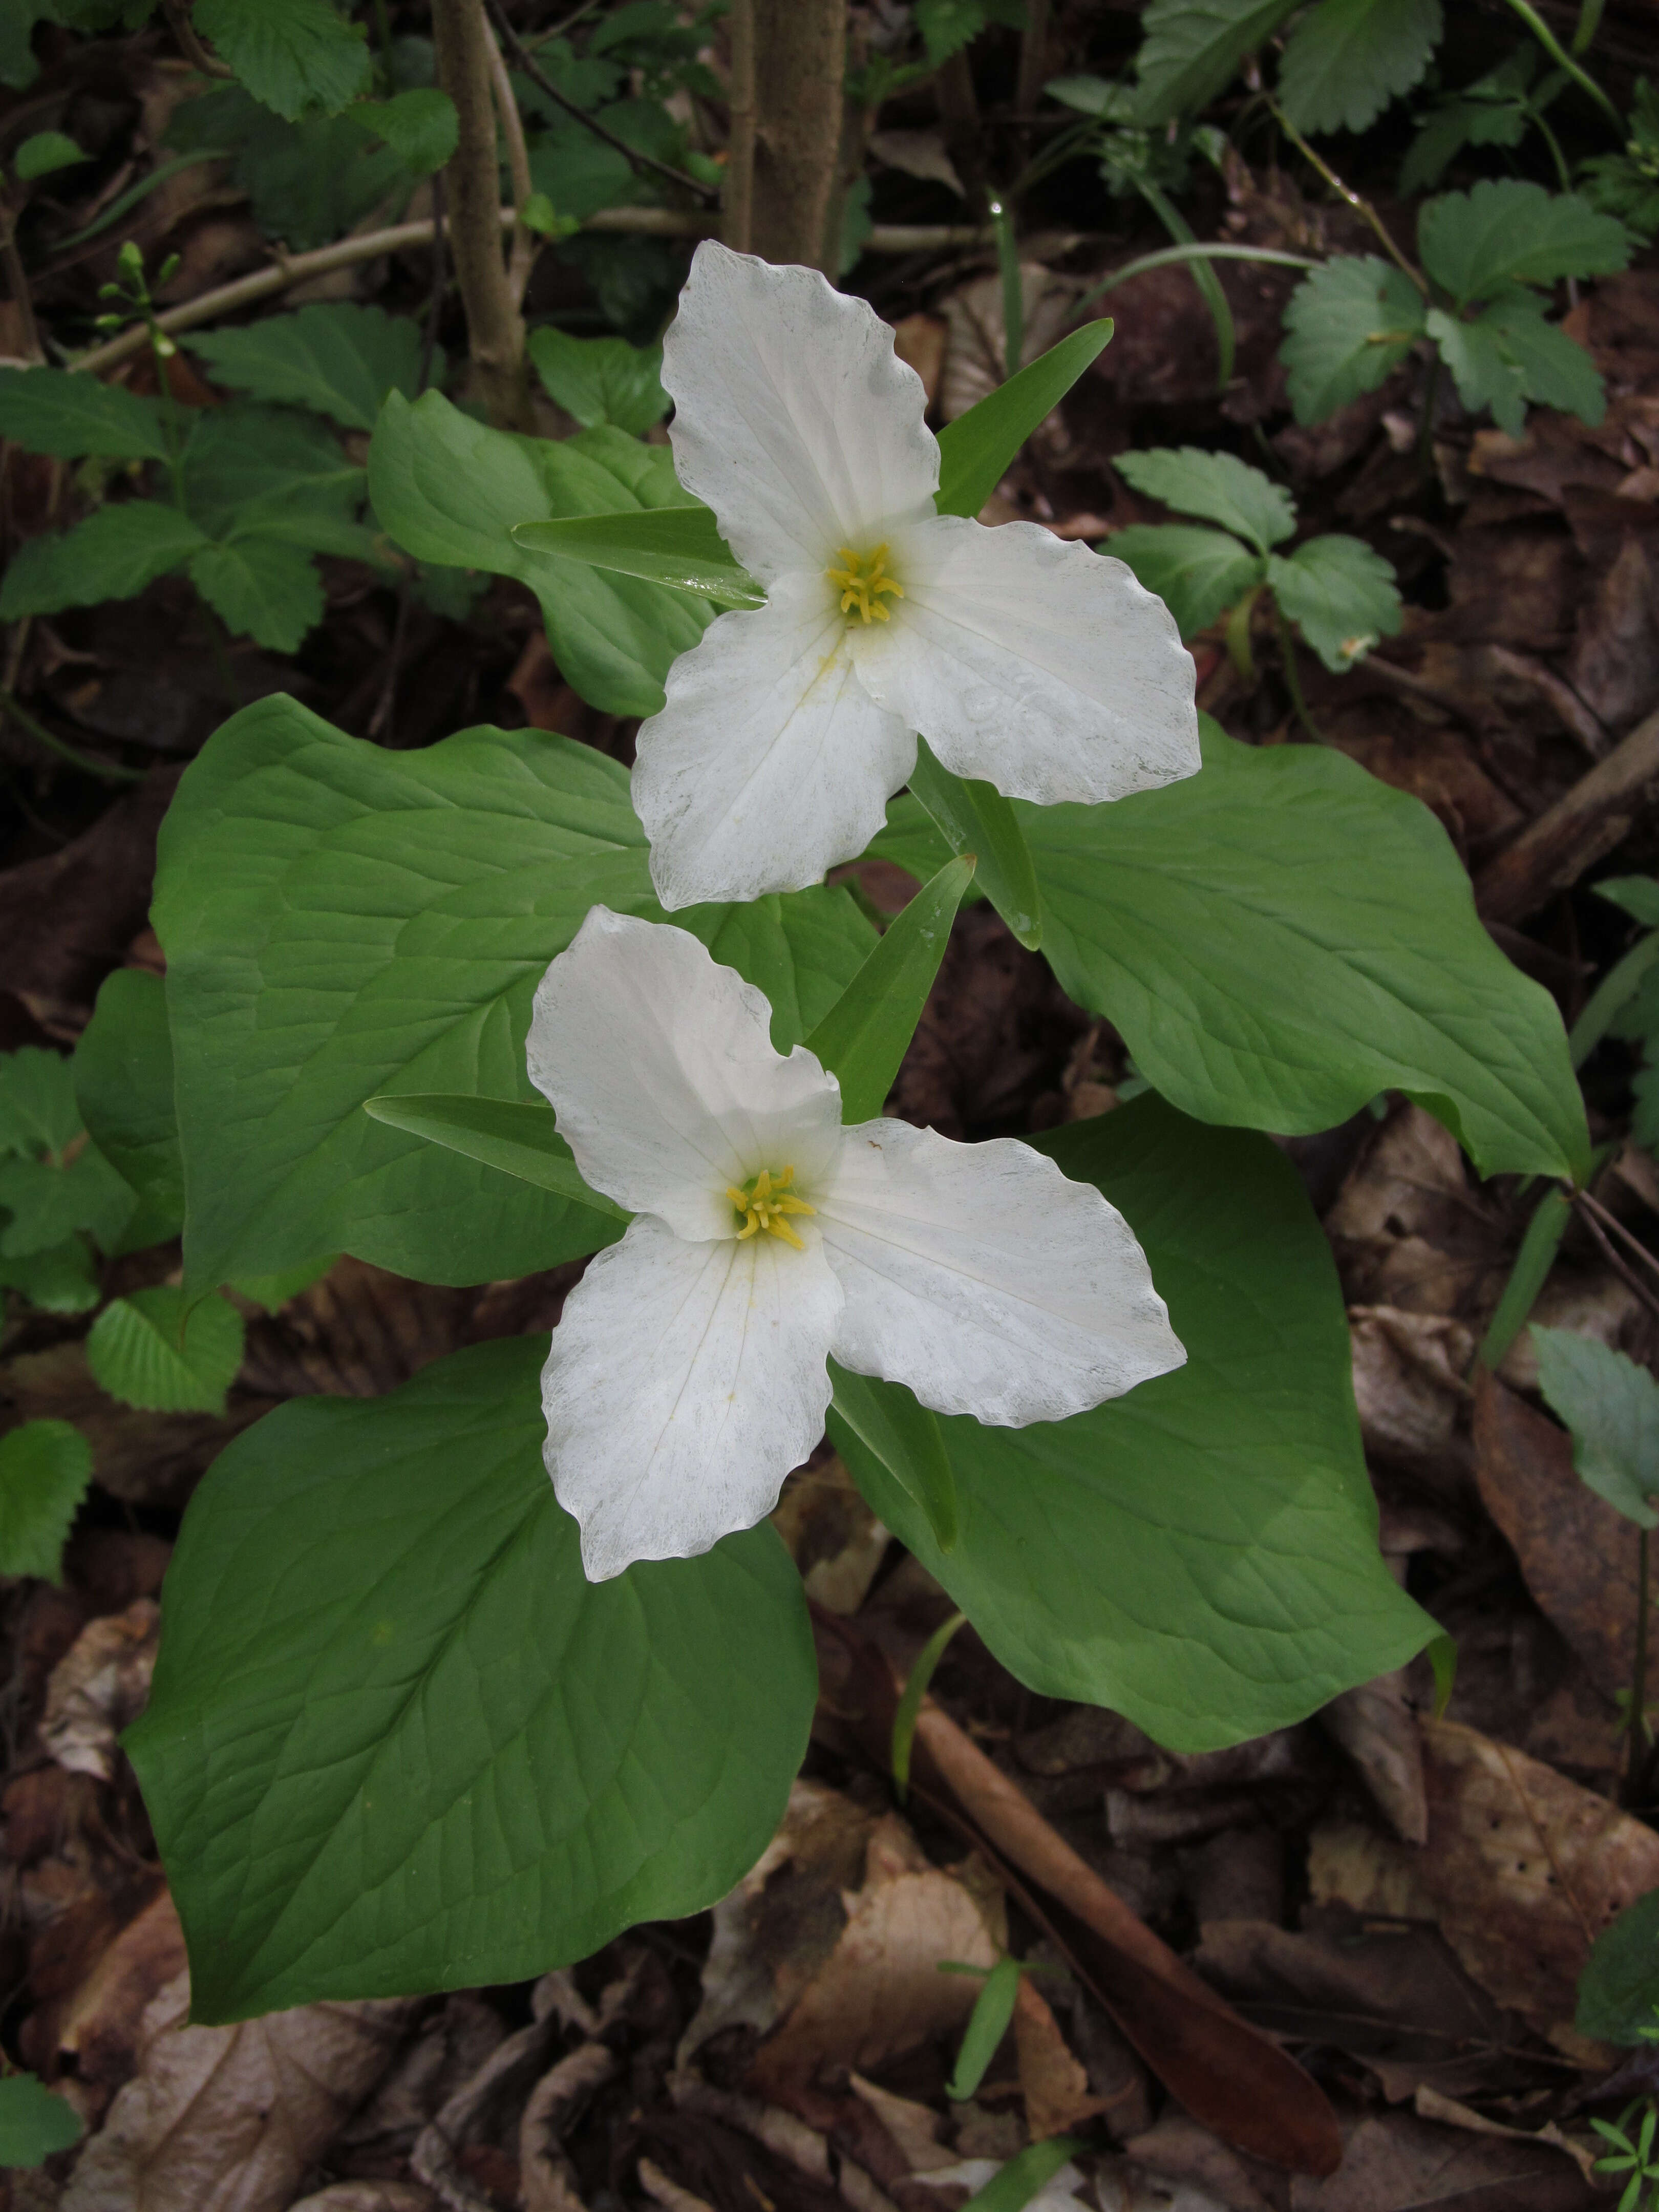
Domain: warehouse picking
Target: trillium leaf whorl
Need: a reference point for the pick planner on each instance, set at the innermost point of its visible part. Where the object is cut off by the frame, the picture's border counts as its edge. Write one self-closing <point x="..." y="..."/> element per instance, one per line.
<point x="1040" y="667"/>
<point x="689" y="1371"/>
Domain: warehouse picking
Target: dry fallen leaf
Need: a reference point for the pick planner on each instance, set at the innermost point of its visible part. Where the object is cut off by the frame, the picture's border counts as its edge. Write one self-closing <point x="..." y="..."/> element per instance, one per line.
<point x="1378" y="1730"/>
<point x="228" y="2119"/>
<point x="1053" y="2084"/>
<point x="101" y="1685"/>
<point x="1394" y="2159"/>
<point x="1408" y="1385"/>
<point x="102" y="2024"/>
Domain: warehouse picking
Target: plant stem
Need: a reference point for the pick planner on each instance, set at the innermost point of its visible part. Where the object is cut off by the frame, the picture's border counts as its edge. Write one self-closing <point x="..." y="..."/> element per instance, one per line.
<point x="17" y="279"/>
<point x="1431" y="395"/>
<point x="463" y="49"/>
<point x="1292" y="679"/>
<point x="109" y="771"/>
<point x="740" y="196"/>
<point x="800" y="68"/>
<point x="1208" y="283"/>
<point x="1558" y="54"/>
<point x="1636" y="1746"/>
<point x="1204" y="252"/>
<point x="1626" y="1273"/>
<point x="525" y="244"/>
<point x="1013" y="296"/>
<point x="1360" y="205"/>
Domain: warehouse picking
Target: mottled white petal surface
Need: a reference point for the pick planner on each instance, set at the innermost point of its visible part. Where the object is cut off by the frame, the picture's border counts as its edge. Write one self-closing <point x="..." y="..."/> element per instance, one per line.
<point x="659" y="1066"/>
<point x="1041" y="667"/>
<point x="684" y="1383"/>
<point x="770" y="762"/>
<point x="794" y="418"/>
<point x="986" y="1279"/>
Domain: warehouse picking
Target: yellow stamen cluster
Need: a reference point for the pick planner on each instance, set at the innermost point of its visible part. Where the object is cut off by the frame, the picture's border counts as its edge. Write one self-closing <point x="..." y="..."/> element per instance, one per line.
<point x="766" y="1203"/>
<point x="863" y="578"/>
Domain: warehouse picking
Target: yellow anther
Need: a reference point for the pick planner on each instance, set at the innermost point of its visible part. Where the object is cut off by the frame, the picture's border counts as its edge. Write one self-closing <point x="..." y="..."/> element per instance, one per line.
<point x="862" y="578"/>
<point x="765" y="1203"/>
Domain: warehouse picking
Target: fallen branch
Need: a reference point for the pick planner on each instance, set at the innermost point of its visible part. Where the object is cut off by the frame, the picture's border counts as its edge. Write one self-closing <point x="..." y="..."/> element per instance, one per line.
<point x="1572" y="835"/>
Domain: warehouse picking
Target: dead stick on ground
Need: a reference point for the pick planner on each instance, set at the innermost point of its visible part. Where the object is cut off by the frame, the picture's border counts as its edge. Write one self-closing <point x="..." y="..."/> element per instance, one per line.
<point x="1572" y="835"/>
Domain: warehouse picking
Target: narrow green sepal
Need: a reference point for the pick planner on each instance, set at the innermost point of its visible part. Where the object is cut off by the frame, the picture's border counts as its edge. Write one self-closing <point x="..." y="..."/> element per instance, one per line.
<point x="515" y="1135"/>
<point x="905" y="1437"/>
<point x="973" y="817"/>
<point x="678" y="545"/>
<point x="974" y="450"/>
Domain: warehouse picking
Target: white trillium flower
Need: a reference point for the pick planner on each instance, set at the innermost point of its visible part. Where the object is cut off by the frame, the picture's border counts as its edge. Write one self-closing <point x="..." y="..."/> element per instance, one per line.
<point x="687" y="1373"/>
<point x="1039" y="666"/>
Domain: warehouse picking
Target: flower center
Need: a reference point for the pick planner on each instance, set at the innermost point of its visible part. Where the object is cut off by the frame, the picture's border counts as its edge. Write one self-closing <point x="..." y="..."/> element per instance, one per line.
<point x="862" y="578"/>
<point x="765" y="1202"/>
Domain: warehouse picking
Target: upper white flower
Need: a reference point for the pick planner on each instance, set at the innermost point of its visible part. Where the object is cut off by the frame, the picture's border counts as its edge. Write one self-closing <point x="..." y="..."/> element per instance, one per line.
<point x="1039" y="666"/>
<point x="688" y="1372"/>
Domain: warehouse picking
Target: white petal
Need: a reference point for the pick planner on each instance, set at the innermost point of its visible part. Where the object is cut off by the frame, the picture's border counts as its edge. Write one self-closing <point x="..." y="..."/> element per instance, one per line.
<point x="1041" y="667"/>
<point x="770" y="762"/>
<point x="986" y="1279"/>
<point x="794" y="418"/>
<point x="684" y="1383"/>
<point x="659" y="1064"/>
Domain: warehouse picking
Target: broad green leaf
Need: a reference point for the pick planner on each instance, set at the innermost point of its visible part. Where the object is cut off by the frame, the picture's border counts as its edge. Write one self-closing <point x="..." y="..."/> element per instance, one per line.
<point x="421" y="126"/>
<point x="905" y="1439"/>
<point x="601" y="379"/>
<point x="34" y="2122"/>
<point x="45" y="1469"/>
<point x="113" y="554"/>
<point x="1192" y="50"/>
<point x="1198" y="574"/>
<point x="397" y="1742"/>
<point x="37" y="1112"/>
<point x="1201" y="1554"/>
<point x="262" y="589"/>
<point x="47" y="1203"/>
<point x="679" y="546"/>
<point x="122" y="1070"/>
<point x="156" y="1350"/>
<point x="1487" y="373"/>
<point x="976" y="450"/>
<point x="1282" y="937"/>
<point x="973" y="816"/>
<point x="1619" y="1989"/>
<point x="1612" y="1407"/>
<point x="866" y="1033"/>
<point x="450" y="490"/>
<point x="291" y="54"/>
<point x="273" y="1291"/>
<point x="1555" y="369"/>
<point x="1347" y="59"/>
<point x="61" y="1280"/>
<point x="1638" y="895"/>
<point x="57" y="411"/>
<point x="509" y="1134"/>
<point x="344" y="922"/>
<point x="1341" y="594"/>
<point x="1219" y="487"/>
<point x="1506" y="231"/>
<point x="45" y="153"/>
<point x="987" y="2026"/>
<point x="338" y="359"/>
<point x="1347" y="326"/>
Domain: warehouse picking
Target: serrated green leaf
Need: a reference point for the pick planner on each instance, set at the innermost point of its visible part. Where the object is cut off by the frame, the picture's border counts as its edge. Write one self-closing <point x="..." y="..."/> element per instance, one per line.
<point x="1347" y="326"/>
<point x="38" y="1111"/>
<point x="1347" y="59"/>
<point x="509" y="1134"/>
<point x="48" y="1203"/>
<point x="45" y="1469"/>
<point x="421" y="126"/>
<point x="115" y="554"/>
<point x="1201" y="1554"/>
<point x="123" y="1071"/>
<point x="261" y="588"/>
<point x="307" y="182"/>
<point x="382" y="1663"/>
<point x="45" y="153"/>
<point x="1556" y="371"/>
<point x="450" y="490"/>
<point x="1485" y="372"/>
<point x="342" y="921"/>
<point x="1198" y="574"/>
<point x="678" y="546"/>
<point x="1219" y="487"/>
<point x="1506" y="231"/>
<point x="61" y="1280"/>
<point x="248" y="468"/>
<point x="34" y="2122"/>
<point x="1612" y="1407"/>
<point x="973" y="817"/>
<point x="156" y="1350"/>
<point x="866" y="1033"/>
<point x="1192" y="50"/>
<point x="1341" y="594"/>
<point x="336" y="358"/>
<point x="291" y="54"/>
<point x="1619" y="1988"/>
<point x="976" y="450"/>
<point x="601" y="379"/>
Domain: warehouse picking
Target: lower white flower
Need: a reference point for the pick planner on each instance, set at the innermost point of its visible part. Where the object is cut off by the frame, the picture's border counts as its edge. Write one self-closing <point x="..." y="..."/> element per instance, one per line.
<point x="688" y="1375"/>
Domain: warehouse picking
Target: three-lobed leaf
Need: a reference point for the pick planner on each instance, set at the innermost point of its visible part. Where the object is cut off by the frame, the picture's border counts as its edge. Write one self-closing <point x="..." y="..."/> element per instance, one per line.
<point x="1611" y="1406"/>
<point x="1347" y="326"/>
<point x="976" y="450"/>
<point x="1201" y="1554"/>
<point x="1346" y="59"/>
<point x="1341" y="595"/>
<point x="1506" y="231"/>
<point x="115" y="554"/>
<point x="398" y="1742"/>
<point x="1198" y="574"/>
<point x="44" y="1469"/>
<point x="1219" y="487"/>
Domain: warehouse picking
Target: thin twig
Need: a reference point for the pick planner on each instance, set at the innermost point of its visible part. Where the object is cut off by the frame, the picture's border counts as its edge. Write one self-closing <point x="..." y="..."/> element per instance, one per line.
<point x="17" y="279"/>
<point x="1610" y="1220"/>
<point x="1360" y="205"/>
<point x="636" y="161"/>
<point x="525" y="244"/>
<point x="1293" y="678"/>
<point x="190" y="46"/>
<point x="1627" y="1274"/>
<point x="110" y="771"/>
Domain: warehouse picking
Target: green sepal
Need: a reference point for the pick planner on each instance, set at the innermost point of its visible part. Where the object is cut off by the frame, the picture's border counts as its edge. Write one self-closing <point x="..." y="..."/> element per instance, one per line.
<point x="514" y="1135"/>
<point x="680" y="546"/>
<point x="973" y="816"/>
<point x="904" y="1437"/>
<point x="974" y="450"/>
